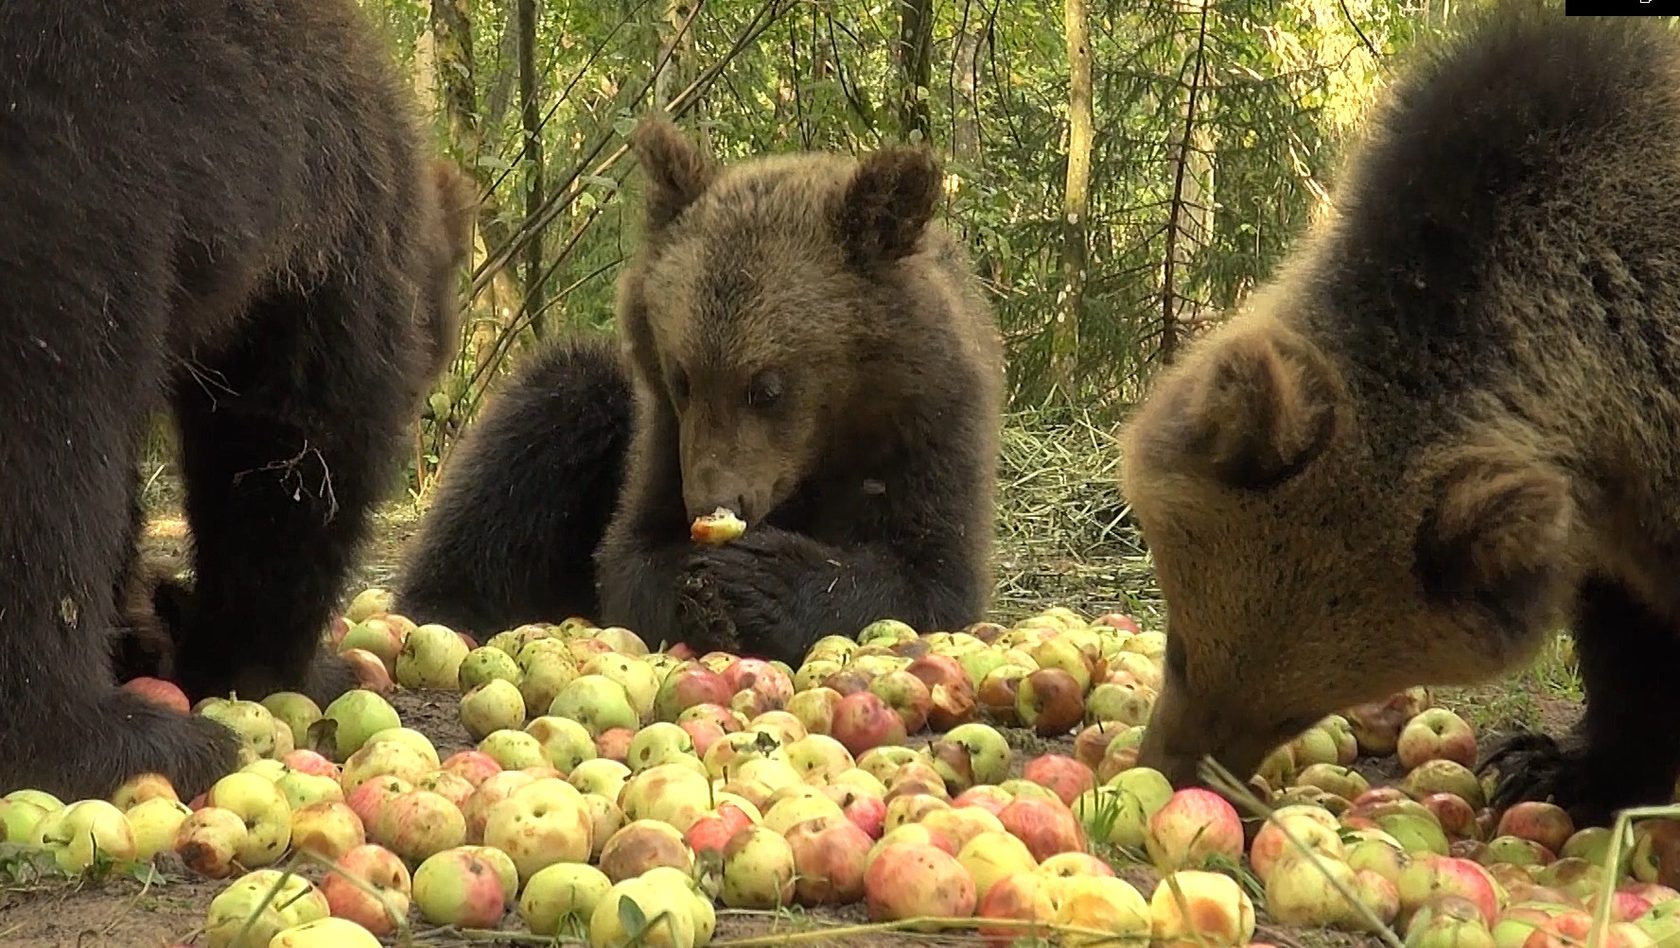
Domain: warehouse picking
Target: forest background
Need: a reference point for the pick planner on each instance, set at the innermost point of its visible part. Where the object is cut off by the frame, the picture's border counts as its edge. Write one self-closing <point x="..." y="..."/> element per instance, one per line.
<point x="1122" y="171"/>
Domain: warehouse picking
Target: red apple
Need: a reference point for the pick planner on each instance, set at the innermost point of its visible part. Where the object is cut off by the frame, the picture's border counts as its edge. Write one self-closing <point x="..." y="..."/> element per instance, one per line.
<point x="988" y="797"/>
<point x="1191" y="828"/>
<point x="863" y="721"/>
<point x="998" y="691"/>
<point x="1426" y="877"/>
<point x="371" y="673"/>
<point x="866" y="811"/>
<point x="164" y="694"/>
<point x="1436" y="734"/>
<point x="939" y="670"/>
<point x="378" y="869"/>
<point x="762" y="677"/>
<point x="1376" y="725"/>
<point x="830" y="856"/>
<point x="1063" y="775"/>
<point x="1625" y="906"/>
<point x="1050" y="701"/>
<point x="1018" y="897"/>
<point x="713" y="830"/>
<point x="310" y="762"/>
<point x="1046" y="825"/>
<point x="914" y="881"/>
<point x="687" y="685"/>
<point x="1545" y="823"/>
<point x="329" y="829"/>
<point x="1092" y="742"/>
<point x="473" y="765"/>
<point x="1456" y="817"/>
<point x="717" y="713"/>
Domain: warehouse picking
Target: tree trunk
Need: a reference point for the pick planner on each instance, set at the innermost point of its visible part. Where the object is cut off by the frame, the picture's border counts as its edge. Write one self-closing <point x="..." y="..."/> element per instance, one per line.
<point x="452" y="79"/>
<point x="915" y="61"/>
<point x="965" y="77"/>
<point x="1076" y="203"/>
<point x="1179" y="213"/>
<point x="530" y="108"/>
<point x="675" y="44"/>
<point x="452" y="45"/>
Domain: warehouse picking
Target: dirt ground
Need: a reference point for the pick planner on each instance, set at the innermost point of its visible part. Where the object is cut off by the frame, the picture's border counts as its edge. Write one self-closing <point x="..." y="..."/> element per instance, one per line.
<point x="169" y="908"/>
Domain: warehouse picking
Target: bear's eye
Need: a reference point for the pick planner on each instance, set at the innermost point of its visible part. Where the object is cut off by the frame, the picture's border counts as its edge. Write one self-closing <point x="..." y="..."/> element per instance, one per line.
<point x="677" y="380"/>
<point x="765" y="389"/>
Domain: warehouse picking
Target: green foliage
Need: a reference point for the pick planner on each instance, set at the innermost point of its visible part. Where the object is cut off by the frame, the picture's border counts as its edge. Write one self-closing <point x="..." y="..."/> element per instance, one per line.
<point x="1278" y="86"/>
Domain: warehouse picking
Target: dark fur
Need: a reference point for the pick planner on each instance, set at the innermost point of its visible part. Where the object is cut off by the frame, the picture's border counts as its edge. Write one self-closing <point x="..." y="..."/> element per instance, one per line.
<point x="526" y="497"/>
<point x="1451" y="424"/>
<point x="223" y="210"/>
<point x="842" y="393"/>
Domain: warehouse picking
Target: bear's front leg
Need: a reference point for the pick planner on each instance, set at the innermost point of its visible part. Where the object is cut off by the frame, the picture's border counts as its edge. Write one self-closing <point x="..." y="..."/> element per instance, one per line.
<point x="1621" y="753"/>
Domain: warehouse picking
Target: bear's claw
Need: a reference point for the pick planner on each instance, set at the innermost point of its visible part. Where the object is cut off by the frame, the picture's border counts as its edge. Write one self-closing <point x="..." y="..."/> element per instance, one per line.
<point x="1536" y="766"/>
<point x="1529" y="765"/>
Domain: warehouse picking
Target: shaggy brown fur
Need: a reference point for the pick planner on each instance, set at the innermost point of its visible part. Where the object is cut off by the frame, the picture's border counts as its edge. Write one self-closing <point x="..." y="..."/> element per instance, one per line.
<point x="805" y="346"/>
<point x="222" y="210"/>
<point x="1449" y="426"/>
<point x="150" y="597"/>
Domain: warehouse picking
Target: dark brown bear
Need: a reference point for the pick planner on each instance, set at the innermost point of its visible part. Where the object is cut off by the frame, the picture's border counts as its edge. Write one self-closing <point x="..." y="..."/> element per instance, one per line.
<point x="150" y="598"/>
<point x="1449" y="427"/>
<point x="804" y="346"/>
<point x="223" y="210"/>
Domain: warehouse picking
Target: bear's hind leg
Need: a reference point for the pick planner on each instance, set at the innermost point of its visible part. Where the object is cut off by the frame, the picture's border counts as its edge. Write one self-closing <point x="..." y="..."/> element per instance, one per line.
<point x="1622" y="751"/>
<point x="284" y="457"/>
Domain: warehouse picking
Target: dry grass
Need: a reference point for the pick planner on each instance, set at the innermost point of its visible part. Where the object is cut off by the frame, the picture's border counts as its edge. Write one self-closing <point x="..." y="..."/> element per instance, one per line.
<point x="1063" y="529"/>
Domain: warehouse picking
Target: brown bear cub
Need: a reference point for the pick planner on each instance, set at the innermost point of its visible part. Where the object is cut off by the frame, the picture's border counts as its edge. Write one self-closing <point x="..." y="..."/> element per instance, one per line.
<point x="802" y="345"/>
<point x="1450" y="425"/>
<point x="223" y="210"/>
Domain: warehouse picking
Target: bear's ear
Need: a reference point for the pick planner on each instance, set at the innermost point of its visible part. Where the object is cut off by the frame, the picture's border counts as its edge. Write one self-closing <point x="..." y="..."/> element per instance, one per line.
<point x="1496" y="533"/>
<point x="457" y="207"/>
<point x="887" y="204"/>
<point x="678" y="172"/>
<point x="1257" y="409"/>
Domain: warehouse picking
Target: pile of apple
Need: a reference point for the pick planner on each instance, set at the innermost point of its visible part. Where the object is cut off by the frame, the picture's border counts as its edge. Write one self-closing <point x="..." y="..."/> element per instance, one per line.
<point x="619" y="795"/>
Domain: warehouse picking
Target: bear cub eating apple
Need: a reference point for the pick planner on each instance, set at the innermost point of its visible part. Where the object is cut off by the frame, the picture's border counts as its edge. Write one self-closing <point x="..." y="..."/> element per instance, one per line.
<point x="224" y="210"/>
<point x="802" y="345"/>
<point x="1448" y="427"/>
